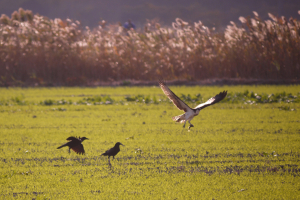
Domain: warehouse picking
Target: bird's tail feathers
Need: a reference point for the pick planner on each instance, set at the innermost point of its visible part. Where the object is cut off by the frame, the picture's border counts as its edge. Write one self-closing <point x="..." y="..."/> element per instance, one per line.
<point x="179" y="118"/>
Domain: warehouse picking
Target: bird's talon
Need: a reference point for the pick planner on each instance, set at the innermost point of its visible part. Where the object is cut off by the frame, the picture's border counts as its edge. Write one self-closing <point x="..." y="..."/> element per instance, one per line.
<point x="191" y="126"/>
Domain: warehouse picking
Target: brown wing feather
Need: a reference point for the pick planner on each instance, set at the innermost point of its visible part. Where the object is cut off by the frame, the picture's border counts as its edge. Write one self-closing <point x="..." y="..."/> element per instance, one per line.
<point x="78" y="149"/>
<point x="72" y="138"/>
<point x="175" y="99"/>
<point x="213" y="100"/>
<point x="109" y="151"/>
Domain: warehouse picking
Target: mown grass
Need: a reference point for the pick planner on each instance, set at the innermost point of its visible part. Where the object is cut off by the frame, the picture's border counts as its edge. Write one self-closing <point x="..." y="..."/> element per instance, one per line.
<point x="235" y="150"/>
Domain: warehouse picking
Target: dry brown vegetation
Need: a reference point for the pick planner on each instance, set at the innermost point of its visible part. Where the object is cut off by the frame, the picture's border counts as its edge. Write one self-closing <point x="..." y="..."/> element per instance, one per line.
<point x="41" y="51"/>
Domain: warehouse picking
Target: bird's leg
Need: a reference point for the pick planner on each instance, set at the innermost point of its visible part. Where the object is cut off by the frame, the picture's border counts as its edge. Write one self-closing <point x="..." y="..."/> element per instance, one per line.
<point x="109" y="162"/>
<point x="191" y="125"/>
<point x="69" y="150"/>
<point x="184" y="124"/>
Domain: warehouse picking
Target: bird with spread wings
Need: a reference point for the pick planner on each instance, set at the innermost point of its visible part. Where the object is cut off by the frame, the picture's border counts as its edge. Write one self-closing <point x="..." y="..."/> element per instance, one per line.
<point x="75" y="144"/>
<point x="190" y="113"/>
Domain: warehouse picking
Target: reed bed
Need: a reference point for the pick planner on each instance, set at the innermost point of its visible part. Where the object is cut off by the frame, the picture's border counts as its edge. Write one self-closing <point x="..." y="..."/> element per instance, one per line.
<point x="35" y="50"/>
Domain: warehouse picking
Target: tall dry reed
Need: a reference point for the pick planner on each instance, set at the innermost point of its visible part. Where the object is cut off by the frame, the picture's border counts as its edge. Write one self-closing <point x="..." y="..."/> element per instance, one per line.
<point x="38" y="50"/>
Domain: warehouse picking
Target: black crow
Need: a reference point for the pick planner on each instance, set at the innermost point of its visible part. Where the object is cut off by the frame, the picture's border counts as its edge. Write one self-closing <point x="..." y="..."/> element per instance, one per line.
<point x="75" y="144"/>
<point x="113" y="151"/>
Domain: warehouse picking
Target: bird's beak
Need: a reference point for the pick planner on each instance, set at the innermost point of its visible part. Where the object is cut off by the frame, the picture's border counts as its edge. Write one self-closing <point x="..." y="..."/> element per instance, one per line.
<point x="123" y="145"/>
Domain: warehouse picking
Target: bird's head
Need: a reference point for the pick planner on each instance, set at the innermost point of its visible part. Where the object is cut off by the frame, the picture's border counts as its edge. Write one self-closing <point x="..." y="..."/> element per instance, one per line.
<point x="119" y="143"/>
<point x="84" y="138"/>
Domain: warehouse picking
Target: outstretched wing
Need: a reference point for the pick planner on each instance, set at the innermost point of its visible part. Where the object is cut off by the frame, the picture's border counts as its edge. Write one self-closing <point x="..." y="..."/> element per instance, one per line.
<point x="72" y="138"/>
<point x="78" y="149"/>
<point x="175" y="99"/>
<point x="213" y="100"/>
<point x="63" y="145"/>
<point x="71" y="141"/>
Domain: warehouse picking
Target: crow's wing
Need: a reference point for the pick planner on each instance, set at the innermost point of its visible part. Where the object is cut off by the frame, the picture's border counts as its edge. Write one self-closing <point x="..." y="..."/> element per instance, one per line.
<point x="72" y="138"/>
<point x="213" y="100"/>
<point x="67" y="144"/>
<point x="175" y="99"/>
<point x="78" y="149"/>
<point x="109" y="151"/>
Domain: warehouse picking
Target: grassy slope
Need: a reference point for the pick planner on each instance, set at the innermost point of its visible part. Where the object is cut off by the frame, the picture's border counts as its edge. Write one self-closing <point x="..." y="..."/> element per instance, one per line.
<point x="227" y="155"/>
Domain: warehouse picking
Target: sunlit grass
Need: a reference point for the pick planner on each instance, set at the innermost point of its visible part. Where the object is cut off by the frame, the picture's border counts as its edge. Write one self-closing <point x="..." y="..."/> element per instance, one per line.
<point x="235" y="150"/>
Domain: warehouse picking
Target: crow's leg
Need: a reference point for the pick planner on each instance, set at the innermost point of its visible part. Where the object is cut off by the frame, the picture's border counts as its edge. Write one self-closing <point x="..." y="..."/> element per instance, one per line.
<point x="109" y="162"/>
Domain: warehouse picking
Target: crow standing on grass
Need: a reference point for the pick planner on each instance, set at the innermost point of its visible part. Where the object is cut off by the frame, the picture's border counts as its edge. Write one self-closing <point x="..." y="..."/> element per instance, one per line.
<point x="190" y="113"/>
<point x="75" y="144"/>
<point x="113" y="151"/>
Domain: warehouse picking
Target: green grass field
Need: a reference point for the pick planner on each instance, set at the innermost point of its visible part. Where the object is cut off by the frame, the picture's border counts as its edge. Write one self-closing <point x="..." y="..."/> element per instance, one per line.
<point x="246" y="147"/>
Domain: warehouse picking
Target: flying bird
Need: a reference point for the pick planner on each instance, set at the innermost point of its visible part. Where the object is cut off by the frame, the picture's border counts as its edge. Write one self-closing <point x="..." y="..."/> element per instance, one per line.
<point x="75" y="144"/>
<point x="113" y="151"/>
<point x="190" y="113"/>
